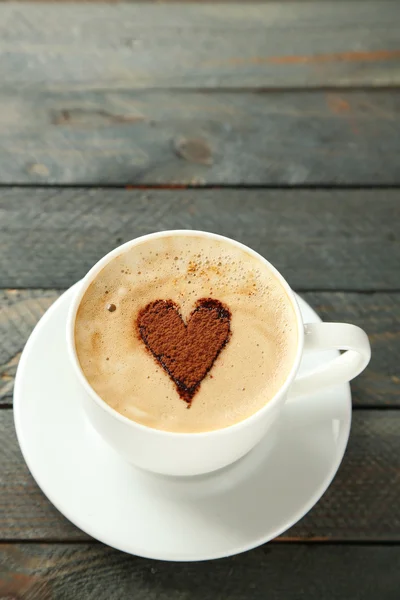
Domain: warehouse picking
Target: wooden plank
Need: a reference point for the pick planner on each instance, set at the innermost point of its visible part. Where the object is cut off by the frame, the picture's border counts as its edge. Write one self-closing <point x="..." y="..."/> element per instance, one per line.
<point x="378" y="314"/>
<point x="253" y="2"/>
<point x="361" y="504"/>
<point x="200" y="45"/>
<point x="172" y="1"/>
<point x="114" y="136"/>
<point x="318" y="239"/>
<point x="276" y="571"/>
<point x="19" y="313"/>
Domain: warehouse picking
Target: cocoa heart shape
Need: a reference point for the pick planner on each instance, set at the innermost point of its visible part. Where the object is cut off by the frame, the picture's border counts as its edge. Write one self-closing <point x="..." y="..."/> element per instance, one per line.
<point x="185" y="351"/>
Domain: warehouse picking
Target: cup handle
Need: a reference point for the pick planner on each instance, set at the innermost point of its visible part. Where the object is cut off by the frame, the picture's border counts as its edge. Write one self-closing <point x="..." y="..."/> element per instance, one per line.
<point x="343" y="368"/>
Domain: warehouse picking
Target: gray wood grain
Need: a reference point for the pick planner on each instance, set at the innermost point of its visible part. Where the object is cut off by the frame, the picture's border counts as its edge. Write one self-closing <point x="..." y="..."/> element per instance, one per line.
<point x="19" y="313"/>
<point x="361" y="504"/>
<point x="336" y="240"/>
<point x="173" y="1"/>
<point x="276" y="571"/>
<point x="378" y="314"/>
<point x="200" y="45"/>
<point x="176" y="2"/>
<point x="79" y="135"/>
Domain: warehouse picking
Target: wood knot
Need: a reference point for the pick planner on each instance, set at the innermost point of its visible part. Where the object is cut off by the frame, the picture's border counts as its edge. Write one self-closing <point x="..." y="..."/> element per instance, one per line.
<point x="194" y="150"/>
<point x="38" y="169"/>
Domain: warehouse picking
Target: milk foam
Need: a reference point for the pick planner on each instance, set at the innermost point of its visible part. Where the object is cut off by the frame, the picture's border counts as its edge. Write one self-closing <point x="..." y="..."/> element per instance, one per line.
<point x="248" y="372"/>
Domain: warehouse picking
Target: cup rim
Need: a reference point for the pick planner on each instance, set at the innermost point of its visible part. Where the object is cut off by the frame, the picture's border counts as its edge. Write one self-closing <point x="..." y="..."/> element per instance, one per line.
<point x="95" y="270"/>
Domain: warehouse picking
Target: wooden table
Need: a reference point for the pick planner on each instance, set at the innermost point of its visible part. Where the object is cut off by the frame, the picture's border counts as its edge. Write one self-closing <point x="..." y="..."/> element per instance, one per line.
<point x="273" y="123"/>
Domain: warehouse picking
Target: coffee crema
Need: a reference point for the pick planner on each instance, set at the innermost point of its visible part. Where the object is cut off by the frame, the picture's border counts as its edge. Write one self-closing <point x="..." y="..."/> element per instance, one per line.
<point x="232" y="321"/>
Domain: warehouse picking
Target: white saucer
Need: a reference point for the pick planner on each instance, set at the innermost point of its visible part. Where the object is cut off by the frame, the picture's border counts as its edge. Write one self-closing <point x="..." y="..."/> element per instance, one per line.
<point x="167" y="518"/>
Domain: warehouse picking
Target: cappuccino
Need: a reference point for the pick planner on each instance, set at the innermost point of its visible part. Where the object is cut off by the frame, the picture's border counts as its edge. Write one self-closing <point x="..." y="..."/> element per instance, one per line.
<point x="186" y="333"/>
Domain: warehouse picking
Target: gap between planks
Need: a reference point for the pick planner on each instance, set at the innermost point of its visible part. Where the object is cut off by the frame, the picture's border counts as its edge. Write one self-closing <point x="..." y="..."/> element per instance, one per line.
<point x="299" y="541"/>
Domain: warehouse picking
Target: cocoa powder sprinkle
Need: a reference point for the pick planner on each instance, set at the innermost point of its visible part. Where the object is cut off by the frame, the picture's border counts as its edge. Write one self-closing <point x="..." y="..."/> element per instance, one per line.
<point x="185" y="351"/>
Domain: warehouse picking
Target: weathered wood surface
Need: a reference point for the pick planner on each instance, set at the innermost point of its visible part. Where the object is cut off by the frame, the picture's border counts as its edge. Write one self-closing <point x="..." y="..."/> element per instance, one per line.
<point x="378" y="314"/>
<point x="361" y="504"/>
<point x="200" y="45"/>
<point x="114" y="136"/>
<point x="19" y="313"/>
<point x="171" y="1"/>
<point x="337" y="240"/>
<point x="71" y="572"/>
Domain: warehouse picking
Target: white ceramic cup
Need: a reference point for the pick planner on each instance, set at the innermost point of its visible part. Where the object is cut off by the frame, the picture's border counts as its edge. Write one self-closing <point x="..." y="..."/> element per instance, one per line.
<point x="172" y="453"/>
